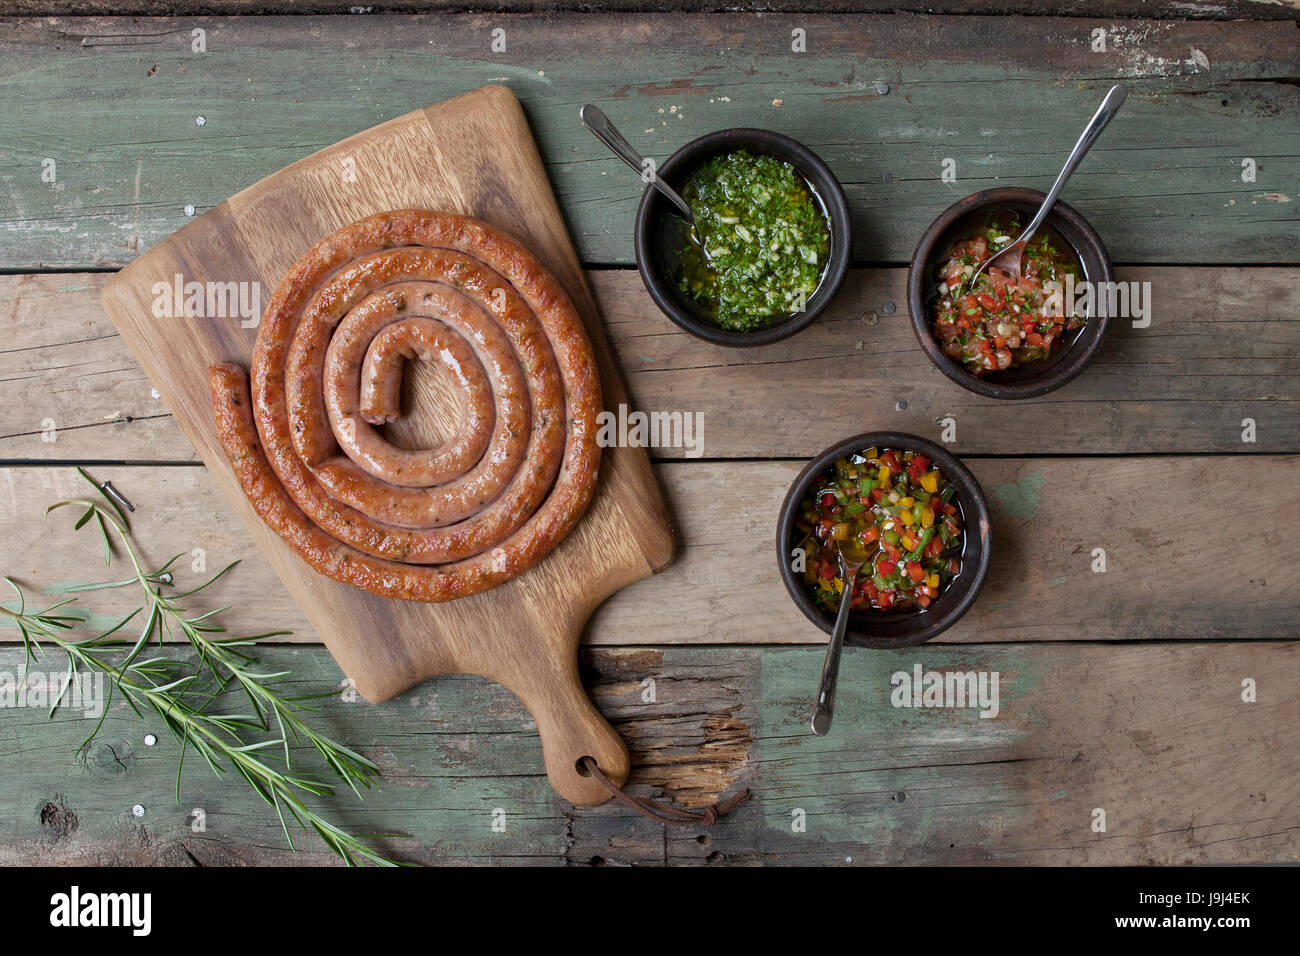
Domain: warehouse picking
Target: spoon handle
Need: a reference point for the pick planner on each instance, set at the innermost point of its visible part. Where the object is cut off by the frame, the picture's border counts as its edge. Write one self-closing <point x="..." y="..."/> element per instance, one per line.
<point x="1105" y="113"/>
<point x="605" y="131"/>
<point x="824" y="709"/>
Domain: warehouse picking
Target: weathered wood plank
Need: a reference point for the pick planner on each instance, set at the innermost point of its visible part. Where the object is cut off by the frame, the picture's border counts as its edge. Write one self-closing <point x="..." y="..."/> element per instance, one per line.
<point x="1220" y="350"/>
<point x="1163" y="186"/>
<point x="1150" y="9"/>
<point x="1169" y="529"/>
<point x="1156" y="736"/>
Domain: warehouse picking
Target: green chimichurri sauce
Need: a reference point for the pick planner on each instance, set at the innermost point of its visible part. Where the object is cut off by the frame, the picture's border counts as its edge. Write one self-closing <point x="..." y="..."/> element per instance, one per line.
<point x="766" y="236"/>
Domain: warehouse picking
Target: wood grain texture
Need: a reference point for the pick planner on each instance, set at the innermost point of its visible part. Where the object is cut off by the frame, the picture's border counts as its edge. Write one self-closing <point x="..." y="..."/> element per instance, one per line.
<point x="1149" y="726"/>
<point x="523" y="634"/>
<point x="1163" y="186"/>
<point x="1158" y="9"/>
<point x="1156" y="736"/>
<point x="1220" y="349"/>
<point x="1166" y="577"/>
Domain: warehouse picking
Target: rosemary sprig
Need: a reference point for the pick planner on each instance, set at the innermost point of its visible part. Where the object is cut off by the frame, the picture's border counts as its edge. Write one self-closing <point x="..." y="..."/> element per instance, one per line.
<point x="173" y="689"/>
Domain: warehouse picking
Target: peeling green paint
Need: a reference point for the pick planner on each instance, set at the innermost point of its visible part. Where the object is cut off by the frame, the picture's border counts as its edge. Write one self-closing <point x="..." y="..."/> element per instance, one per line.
<point x="443" y="781"/>
<point x="940" y="760"/>
<point x="1020" y="498"/>
<point x="259" y="120"/>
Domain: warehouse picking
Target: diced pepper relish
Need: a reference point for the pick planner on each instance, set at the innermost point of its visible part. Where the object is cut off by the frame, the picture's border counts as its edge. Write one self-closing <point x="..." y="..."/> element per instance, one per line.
<point x="996" y="324"/>
<point x="902" y="511"/>
<point x="766" y="237"/>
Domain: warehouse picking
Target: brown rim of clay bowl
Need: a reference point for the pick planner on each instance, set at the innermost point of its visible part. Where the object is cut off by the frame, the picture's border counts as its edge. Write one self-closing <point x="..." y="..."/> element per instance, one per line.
<point x="1070" y="357"/>
<point x="884" y="629"/>
<point x="649" y="237"/>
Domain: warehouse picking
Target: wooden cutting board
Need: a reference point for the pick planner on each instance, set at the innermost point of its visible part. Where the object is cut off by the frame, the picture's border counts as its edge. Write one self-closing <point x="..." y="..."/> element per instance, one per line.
<point x="474" y="155"/>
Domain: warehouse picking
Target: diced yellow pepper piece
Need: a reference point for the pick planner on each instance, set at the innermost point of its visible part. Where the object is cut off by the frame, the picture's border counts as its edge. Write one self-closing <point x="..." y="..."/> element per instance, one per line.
<point x="909" y="542"/>
<point x="906" y="517"/>
<point x="927" y="517"/>
<point x="884" y="476"/>
<point x="840" y="532"/>
<point x="932" y="580"/>
<point x="930" y="481"/>
<point x="838" y="584"/>
<point x="908" y="502"/>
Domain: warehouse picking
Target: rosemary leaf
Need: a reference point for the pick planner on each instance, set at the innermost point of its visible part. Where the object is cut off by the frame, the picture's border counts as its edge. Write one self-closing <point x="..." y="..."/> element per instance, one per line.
<point x="181" y="692"/>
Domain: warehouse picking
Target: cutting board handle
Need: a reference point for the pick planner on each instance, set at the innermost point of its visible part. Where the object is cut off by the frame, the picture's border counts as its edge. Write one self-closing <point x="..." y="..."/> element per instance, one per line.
<point x="569" y="724"/>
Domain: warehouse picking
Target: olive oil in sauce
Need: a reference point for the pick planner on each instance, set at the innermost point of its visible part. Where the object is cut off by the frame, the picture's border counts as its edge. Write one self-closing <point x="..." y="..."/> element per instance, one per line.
<point x="766" y="235"/>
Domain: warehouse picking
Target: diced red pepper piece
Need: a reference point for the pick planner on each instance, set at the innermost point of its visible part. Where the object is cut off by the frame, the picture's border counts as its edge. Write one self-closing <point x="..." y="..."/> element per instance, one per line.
<point x="915" y="571"/>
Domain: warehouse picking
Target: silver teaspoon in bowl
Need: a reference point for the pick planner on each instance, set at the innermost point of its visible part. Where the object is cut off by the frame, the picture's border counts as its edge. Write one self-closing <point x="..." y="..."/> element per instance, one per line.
<point x="852" y="556"/>
<point x="598" y="123"/>
<point x="1008" y="258"/>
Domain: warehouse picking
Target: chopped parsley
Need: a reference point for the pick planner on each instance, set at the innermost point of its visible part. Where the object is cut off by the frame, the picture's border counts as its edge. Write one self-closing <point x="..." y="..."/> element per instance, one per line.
<point x="766" y="236"/>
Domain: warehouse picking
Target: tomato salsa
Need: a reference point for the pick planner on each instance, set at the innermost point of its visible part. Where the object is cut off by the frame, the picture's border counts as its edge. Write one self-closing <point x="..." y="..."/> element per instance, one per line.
<point x="902" y="510"/>
<point x="766" y="237"/>
<point x="994" y="323"/>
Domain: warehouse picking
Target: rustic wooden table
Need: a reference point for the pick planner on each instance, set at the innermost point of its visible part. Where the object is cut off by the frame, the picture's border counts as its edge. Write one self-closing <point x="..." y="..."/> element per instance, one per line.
<point x="1121" y="690"/>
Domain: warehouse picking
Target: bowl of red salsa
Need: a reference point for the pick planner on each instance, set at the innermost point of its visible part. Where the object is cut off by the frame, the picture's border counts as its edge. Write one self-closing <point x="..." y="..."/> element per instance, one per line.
<point x="917" y="512"/>
<point x="996" y="336"/>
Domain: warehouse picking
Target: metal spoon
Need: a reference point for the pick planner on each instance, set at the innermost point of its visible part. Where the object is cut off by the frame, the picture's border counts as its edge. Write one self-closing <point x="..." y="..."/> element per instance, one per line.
<point x="852" y="557"/>
<point x="605" y="131"/>
<point x="1008" y="258"/>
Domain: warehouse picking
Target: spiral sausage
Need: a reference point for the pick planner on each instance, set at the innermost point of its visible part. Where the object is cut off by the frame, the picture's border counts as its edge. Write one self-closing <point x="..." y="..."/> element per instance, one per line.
<point x="432" y="524"/>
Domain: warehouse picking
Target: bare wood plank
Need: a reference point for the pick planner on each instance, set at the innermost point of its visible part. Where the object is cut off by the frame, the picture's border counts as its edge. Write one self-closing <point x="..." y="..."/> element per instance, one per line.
<point x="126" y="174"/>
<point x="1156" y="736"/>
<point x="1168" y="527"/>
<point x="1220" y="350"/>
<point x="1149" y="9"/>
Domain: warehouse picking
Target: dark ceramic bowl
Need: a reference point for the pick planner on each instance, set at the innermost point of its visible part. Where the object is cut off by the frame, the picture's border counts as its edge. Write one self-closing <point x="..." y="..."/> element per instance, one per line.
<point x="1070" y="355"/>
<point x="872" y="628"/>
<point x="656" y="226"/>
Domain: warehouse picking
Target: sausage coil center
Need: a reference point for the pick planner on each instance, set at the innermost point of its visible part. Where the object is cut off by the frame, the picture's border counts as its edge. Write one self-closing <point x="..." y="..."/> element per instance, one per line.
<point x="302" y="429"/>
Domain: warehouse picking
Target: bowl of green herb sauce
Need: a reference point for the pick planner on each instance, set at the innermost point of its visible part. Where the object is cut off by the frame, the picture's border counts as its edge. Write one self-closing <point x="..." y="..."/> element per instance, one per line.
<point x="770" y="244"/>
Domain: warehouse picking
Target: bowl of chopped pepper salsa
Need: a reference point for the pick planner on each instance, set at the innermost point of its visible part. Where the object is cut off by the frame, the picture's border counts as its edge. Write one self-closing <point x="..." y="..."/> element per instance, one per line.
<point x="996" y="336"/>
<point x="922" y="519"/>
<point x="770" y="245"/>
